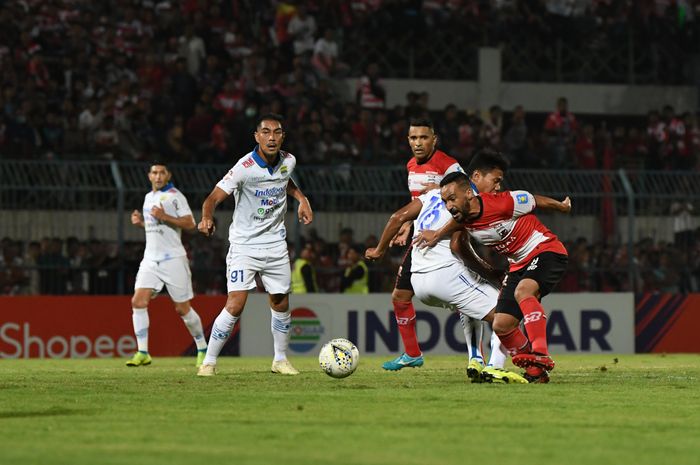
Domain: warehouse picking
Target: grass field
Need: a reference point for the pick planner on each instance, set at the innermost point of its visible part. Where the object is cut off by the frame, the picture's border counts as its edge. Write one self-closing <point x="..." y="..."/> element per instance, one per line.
<point x="640" y="409"/>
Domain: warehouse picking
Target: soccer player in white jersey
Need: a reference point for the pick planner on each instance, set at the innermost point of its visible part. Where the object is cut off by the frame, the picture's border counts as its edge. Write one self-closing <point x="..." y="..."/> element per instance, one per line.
<point x="260" y="182"/>
<point x="440" y="279"/>
<point x="165" y="214"/>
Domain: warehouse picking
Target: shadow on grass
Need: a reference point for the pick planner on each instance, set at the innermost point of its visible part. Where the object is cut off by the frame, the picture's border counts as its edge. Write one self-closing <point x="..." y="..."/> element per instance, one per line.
<point x="51" y="412"/>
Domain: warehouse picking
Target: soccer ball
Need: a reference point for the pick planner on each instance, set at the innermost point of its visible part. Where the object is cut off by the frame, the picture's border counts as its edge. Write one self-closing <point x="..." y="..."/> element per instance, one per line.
<point x="339" y="358"/>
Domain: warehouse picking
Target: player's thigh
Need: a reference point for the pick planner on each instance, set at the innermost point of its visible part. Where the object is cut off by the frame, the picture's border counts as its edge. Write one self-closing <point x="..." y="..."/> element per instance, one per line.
<point x="472" y="295"/>
<point x="506" y="299"/>
<point x="241" y="266"/>
<point x="424" y="288"/>
<point x="403" y="289"/>
<point x="148" y="276"/>
<point x="177" y="277"/>
<point x="276" y="275"/>
<point x="546" y="270"/>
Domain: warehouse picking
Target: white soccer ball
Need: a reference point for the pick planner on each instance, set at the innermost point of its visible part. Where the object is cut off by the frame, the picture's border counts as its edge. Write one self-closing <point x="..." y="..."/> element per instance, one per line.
<point x="339" y="358"/>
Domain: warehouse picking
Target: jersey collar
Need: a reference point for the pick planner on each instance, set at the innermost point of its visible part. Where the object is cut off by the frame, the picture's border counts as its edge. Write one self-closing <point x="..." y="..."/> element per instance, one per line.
<point x="166" y="187"/>
<point x="262" y="163"/>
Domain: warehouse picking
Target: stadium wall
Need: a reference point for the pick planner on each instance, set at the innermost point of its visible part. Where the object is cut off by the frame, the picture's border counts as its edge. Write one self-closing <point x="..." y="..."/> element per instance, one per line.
<point x="81" y="327"/>
<point x="36" y="224"/>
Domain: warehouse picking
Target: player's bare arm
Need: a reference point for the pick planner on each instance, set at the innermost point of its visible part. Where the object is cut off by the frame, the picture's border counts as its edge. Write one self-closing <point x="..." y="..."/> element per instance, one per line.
<point x="206" y="225"/>
<point x="428" y="237"/>
<point x="408" y="212"/>
<point x="460" y="243"/>
<point x="401" y="237"/>
<point x="137" y="219"/>
<point x="185" y="223"/>
<point x="306" y="215"/>
<point x="547" y="203"/>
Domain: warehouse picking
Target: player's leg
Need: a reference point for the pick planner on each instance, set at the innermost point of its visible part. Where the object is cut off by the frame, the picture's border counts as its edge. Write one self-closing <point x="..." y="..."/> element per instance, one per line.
<point x="276" y="276"/>
<point x="473" y="335"/>
<point x="405" y="315"/>
<point x="495" y="371"/>
<point x="139" y="318"/>
<point x="178" y="279"/>
<point x="221" y="330"/>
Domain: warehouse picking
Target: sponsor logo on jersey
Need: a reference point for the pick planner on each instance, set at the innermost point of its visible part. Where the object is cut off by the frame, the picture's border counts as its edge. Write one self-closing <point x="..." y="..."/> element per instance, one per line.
<point x="284" y="169"/>
<point x="306" y="330"/>
<point x="248" y="163"/>
<point x="522" y="198"/>
<point x="533" y="264"/>
<point x="270" y="192"/>
<point x="269" y="202"/>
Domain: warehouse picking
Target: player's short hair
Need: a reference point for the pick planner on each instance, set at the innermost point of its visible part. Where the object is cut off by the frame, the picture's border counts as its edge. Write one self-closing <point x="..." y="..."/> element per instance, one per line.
<point x="270" y="117"/>
<point x="487" y="160"/>
<point x="158" y="163"/>
<point x="456" y="176"/>
<point x="422" y="122"/>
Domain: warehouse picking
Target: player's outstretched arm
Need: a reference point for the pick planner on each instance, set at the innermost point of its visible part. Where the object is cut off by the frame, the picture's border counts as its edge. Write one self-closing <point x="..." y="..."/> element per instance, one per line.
<point x="306" y="215"/>
<point x="428" y="238"/>
<point x="206" y="226"/>
<point x="406" y="213"/>
<point x="547" y="203"/>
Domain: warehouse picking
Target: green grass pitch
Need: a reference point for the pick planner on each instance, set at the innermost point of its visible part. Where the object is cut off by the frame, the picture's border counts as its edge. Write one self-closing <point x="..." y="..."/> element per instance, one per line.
<point x="626" y="409"/>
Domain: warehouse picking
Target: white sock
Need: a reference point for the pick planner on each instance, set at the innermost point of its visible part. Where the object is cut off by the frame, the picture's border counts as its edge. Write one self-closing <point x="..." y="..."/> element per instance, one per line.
<point x="279" y="324"/>
<point x="473" y="334"/>
<point x="140" y="320"/>
<point x="497" y="359"/>
<point x="194" y="325"/>
<point x="220" y="332"/>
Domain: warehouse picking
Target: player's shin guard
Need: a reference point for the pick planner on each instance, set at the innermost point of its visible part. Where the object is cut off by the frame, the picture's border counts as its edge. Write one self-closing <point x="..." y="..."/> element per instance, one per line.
<point x="194" y="325"/>
<point x="280" y="322"/>
<point x="220" y="332"/>
<point x="473" y="334"/>
<point x="406" y="321"/>
<point x="497" y="359"/>
<point x="515" y="342"/>
<point x="140" y="320"/>
<point x="535" y="323"/>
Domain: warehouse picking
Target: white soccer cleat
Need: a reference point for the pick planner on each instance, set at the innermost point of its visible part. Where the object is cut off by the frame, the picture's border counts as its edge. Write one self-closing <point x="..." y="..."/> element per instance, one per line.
<point x="283" y="367"/>
<point x="206" y="370"/>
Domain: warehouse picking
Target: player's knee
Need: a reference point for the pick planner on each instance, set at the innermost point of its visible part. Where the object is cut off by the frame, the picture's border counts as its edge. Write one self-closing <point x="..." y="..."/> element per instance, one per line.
<point x="182" y="307"/>
<point x="525" y="290"/>
<point x="139" y="302"/>
<point x="401" y="295"/>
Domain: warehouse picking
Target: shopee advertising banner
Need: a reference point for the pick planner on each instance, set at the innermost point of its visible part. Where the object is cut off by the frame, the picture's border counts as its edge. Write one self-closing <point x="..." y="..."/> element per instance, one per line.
<point x="96" y="326"/>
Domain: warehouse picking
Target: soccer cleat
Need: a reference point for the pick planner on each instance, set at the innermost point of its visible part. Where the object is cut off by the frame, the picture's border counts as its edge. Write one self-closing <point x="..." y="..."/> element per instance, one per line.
<point x="283" y="367"/>
<point x="402" y="361"/>
<point x="474" y="368"/>
<point x="139" y="359"/>
<point x="536" y="375"/>
<point x="200" y="357"/>
<point x="534" y="360"/>
<point x="207" y="370"/>
<point x="501" y="376"/>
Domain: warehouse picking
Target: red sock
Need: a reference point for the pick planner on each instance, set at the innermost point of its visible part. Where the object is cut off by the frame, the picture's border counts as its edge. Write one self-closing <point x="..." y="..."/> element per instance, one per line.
<point x="535" y="323"/>
<point x="406" y="320"/>
<point x="515" y="342"/>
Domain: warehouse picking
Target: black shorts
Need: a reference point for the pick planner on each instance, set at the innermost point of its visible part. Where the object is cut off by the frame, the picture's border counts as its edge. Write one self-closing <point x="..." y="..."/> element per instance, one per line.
<point x="403" y="277"/>
<point x="546" y="268"/>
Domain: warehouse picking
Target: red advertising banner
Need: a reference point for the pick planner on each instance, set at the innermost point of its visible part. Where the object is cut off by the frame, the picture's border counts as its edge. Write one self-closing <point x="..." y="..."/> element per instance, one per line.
<point x="81" y="326"/>
<point x="667" y="323"/>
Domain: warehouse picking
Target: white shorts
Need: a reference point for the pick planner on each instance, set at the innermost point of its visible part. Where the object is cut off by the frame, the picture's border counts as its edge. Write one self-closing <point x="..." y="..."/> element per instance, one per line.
<point x="271" y="262"/>
<point x="457" y="288"/>
<point x="173" y="273"/>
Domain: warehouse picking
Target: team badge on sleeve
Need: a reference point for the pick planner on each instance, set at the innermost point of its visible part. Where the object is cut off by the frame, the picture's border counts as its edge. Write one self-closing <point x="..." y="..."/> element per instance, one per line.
<point x="521" y="198"/>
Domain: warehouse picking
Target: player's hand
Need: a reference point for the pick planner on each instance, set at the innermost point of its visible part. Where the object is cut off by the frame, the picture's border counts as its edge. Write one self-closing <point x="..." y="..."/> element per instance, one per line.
<point x="136" y="218"/>
<point x="428" y="186"/>
<point x="401" y="237"/>
<point x="158" y="212"/>
<point x="566" y="205"/>
<point x="426" y="238"/>
<point x="373" y="253"/>
<point x="306" y="215"/>
<point x="206" y="226"/>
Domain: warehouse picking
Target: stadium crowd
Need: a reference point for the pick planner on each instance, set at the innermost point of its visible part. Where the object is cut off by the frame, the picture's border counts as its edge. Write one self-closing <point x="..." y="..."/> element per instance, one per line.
<point x="184" y="80"/>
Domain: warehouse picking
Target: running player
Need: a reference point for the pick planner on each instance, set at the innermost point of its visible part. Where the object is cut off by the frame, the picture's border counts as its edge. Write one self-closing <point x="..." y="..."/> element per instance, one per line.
<point x="165" y="214"/>
<point x="427" y="166"/>
<point x="440" y="279"/>
<point x="260" y="182"/>
<point x="505" y="222"/>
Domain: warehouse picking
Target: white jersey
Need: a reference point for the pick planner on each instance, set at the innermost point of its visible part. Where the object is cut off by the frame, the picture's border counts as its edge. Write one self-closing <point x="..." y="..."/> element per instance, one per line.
<point x="261" y="198"/>
<point x="163" y="240"/>
<point x="433" y="215"/>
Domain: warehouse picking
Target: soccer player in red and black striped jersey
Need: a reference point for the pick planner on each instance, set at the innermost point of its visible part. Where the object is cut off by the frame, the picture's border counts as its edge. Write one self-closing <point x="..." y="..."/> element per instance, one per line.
<point x="426" y="168"/>
<point x="504" y="222"/>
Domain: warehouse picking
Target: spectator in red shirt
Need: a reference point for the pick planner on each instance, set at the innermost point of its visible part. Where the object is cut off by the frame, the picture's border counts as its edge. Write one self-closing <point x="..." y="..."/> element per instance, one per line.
<point x="561" y="127"/>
